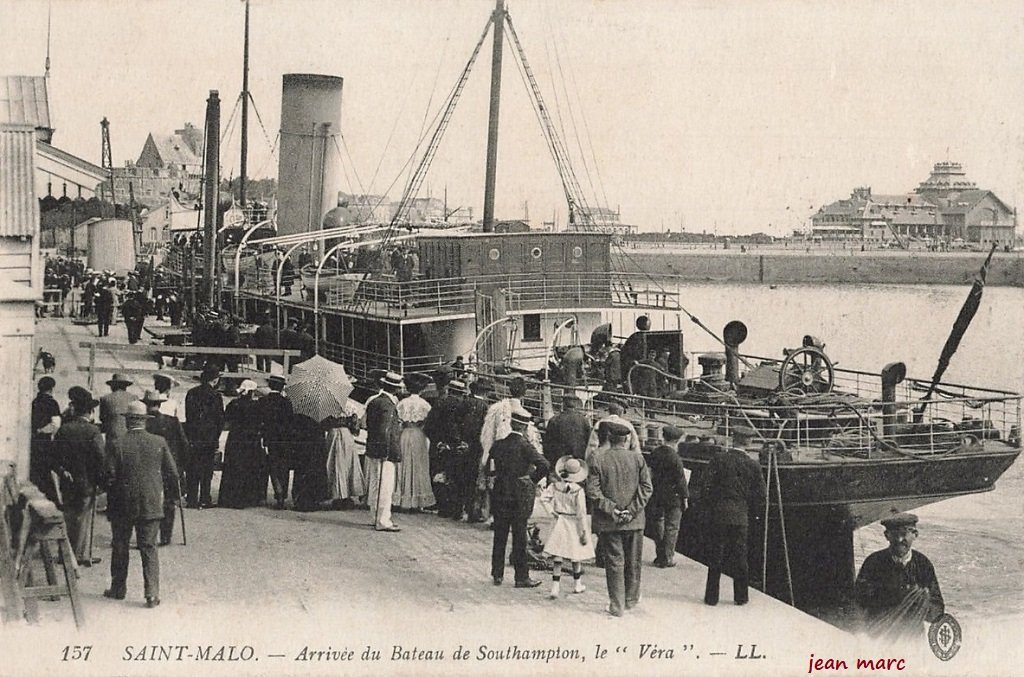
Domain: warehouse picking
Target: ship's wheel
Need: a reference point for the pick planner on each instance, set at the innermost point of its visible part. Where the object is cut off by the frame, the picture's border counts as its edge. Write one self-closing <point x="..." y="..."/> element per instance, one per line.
<point x="806" y="370"/>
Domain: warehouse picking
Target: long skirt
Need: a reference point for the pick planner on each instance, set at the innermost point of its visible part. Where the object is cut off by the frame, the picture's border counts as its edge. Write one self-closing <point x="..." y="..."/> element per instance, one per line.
<point x="413" y="490"/>
<point x="344" y="474"/>
<point x="243" y="481"/>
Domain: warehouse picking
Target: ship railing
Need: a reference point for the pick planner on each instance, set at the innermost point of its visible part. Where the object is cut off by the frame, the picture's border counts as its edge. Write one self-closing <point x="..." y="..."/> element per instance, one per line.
<point x="388" y="297"/>
<point x="360" y="362"/>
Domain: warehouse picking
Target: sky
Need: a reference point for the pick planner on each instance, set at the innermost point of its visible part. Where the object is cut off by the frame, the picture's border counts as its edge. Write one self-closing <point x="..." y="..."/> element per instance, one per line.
<point x="728" y="117"/>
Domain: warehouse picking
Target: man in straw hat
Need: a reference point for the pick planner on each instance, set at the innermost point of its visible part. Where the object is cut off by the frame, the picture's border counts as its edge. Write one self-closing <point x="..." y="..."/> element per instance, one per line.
<point x="169" y="428"/>
<point x="113" y="405"/>
<point x="383" y="435"/>
<point x="78" y="450"/>
<point x="140" y="469"/>
<point x="619" y="486"/>
<point x="204" y="421"/>
<point x="897" y="587"/>
<point x="732" y="487"/>
<point x="518" y="466"/>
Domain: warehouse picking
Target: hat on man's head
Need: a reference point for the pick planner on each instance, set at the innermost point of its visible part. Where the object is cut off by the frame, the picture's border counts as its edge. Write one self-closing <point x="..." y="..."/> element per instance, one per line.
<point x="671" y="433"/>
<point x="571" y="469"/>
<point x="136" y="409"/>
<point x="154" y="397"/>
<point x="900" y="519"/>
<point x="616" y="429"/>
<point x="119" y="379"/>
<point x="521" y="416"/>
<point x="209" y="373"/>
<point x="276" y="382"/>
<point x="391" y="380"/>
<point x="480" y="387"/>
<point x="81" y="399"/>
<point x="571" y="402"/>
<point x="457" y="386"/>
<point x="246" y="386"/>
<point x="163" y="382"/>
<point x="46" y="384"/>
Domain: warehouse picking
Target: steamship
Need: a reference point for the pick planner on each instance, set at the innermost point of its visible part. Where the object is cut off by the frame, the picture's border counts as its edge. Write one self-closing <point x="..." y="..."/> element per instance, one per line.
<point x="840" y="448"/>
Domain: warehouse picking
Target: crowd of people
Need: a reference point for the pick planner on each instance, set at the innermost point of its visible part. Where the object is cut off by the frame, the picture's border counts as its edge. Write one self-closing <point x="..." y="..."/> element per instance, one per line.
<point x="432" y="445"/>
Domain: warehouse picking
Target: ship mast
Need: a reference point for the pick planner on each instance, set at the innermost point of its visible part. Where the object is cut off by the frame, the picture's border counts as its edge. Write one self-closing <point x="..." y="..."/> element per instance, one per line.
<point x="498" y="24"/>
<point x="245" y="108"/>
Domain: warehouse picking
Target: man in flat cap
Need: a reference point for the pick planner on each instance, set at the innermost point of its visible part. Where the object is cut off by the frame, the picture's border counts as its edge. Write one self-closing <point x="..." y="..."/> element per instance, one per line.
<point x="169" y="428"/>
<point x="619" y="487"/>
<point x="517" y="467"/>
<point x="665" y="509"/>
<point x="897" y="587"/>
<point x="732" y="487"/>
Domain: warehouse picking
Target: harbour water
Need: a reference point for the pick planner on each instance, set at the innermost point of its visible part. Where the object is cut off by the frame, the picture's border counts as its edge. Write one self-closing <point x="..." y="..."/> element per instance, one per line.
<point x="975" y="542"/>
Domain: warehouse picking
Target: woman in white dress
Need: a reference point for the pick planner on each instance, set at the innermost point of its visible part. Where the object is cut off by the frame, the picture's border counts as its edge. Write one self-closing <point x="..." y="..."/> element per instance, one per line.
<point x="414" y="491"/>
<point x="570" y="537"/>
<point x="344" y="474"/>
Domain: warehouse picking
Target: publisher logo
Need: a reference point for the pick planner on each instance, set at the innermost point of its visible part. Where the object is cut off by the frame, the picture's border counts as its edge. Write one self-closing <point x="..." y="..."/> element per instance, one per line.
<point x="944" y="637"/>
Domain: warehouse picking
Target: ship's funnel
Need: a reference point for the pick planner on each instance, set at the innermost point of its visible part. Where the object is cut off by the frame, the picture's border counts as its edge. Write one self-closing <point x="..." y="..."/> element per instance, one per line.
<point x="309" y="171"/>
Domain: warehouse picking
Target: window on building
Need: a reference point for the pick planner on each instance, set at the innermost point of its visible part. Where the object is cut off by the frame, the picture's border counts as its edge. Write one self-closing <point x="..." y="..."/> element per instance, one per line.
<point x="531" y="328"/>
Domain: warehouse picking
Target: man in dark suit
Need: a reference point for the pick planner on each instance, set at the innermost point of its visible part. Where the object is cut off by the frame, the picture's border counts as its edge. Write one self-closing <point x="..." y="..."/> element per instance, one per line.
<point x="104" y="308"/>
<point x="140" y="468"/>
<point x="45" y="422"/>
<point x="79" y="456"/>
<point x="517" y="467"/>
<point x="732" y="487"/>
<point x="169" y="428"/>
<point x="619" y="486"/>
<point x="204" y="421"/>
<point x="383" y="431"/>
<point x="275" y="413"/>
<point x="567" y="432"/>
<point x="665" y="509"/>
<point x="443" y="427"/>
<point x="133" y="310"/>
<point x="471" y="421"/>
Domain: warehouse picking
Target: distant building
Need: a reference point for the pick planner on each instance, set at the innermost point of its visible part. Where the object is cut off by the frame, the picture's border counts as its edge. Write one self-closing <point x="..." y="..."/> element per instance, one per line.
<point x="604" y="219"/>
<point x="944" y="207"/>
<point x="169" y="164"/>
<point x="24" y="100"/>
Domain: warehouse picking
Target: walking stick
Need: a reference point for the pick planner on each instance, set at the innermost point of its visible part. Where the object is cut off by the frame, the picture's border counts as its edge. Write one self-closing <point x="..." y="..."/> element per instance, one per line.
<point x="181" y="511"/>
<point x="92" y="528"/>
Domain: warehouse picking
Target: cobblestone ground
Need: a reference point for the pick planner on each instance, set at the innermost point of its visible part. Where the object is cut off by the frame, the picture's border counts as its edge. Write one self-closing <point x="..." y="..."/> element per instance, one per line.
<point x="282" y="581"/>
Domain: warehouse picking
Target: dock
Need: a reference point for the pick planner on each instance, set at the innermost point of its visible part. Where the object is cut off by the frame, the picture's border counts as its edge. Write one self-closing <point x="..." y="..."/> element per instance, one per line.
<point x="262" y="591"/>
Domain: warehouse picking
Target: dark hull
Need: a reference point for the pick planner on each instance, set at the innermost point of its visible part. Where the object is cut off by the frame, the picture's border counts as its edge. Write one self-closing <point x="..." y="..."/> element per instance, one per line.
<point x="825" y="501"/>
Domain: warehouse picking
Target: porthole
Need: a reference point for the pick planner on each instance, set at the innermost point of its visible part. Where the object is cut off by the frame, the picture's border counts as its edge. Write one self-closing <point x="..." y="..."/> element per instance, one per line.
<point x="535" y="252"/>
<point x="577" y="252"/>
<point x="494" y="254"/>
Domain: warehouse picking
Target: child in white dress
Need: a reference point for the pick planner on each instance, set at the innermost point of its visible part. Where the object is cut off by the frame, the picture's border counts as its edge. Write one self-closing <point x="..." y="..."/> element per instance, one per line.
<point x="570" y="537"/>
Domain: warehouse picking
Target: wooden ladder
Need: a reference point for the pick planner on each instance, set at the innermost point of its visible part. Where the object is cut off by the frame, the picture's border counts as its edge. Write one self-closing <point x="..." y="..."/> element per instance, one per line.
<point x="44" y="538"/>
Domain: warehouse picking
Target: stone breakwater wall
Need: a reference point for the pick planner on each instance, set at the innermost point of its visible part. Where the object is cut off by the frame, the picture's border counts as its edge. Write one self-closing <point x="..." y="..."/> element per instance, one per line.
<point x="1006" y="270"/>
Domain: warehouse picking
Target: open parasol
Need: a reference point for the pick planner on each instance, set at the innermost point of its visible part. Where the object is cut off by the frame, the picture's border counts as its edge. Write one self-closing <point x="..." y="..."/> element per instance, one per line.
<point x="318" y="388"/>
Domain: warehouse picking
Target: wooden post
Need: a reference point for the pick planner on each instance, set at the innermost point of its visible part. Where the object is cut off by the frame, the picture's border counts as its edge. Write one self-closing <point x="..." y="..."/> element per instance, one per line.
<point x="92" y="366"/>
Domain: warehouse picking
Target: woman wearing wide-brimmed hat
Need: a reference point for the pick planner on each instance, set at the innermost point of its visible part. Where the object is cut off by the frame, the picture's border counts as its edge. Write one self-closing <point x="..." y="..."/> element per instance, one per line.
<point x="570" y="537"/>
